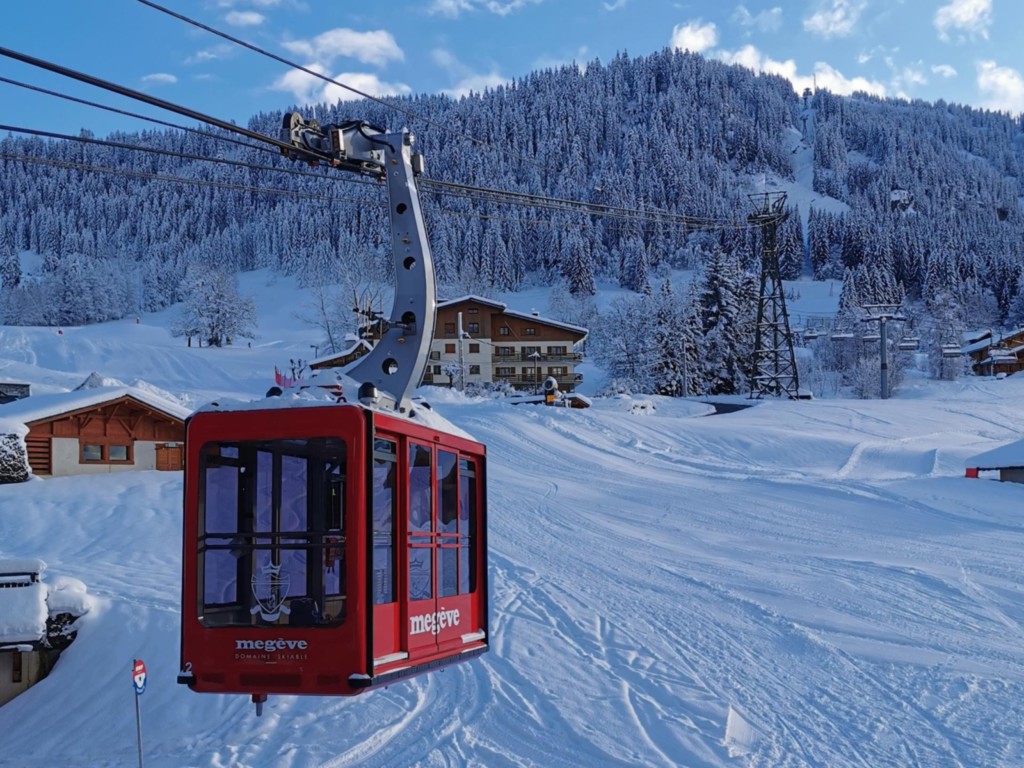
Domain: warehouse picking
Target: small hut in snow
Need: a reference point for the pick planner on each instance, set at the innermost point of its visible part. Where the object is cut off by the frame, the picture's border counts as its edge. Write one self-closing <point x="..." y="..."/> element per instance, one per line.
<point x="1008" y="460"/>
<point x="98" y="429"/>
<point x="37" y="622"/>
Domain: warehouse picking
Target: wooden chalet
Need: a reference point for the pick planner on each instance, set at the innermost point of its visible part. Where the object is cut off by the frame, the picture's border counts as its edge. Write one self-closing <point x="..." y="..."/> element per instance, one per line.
<point x="996" y="352"/>
<point x="106" y="429"/>
<point x="499" y="344"/>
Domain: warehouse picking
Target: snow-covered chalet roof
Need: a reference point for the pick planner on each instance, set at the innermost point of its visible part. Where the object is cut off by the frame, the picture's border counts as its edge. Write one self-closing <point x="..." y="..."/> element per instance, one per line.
<point x="979" y="340"/>
<point x="1007" y="456"/>
<point x="23" y="610"/>
<point x="40" y="407"/>
<point x="471" y="297"/>
<point x="501" y="306"/>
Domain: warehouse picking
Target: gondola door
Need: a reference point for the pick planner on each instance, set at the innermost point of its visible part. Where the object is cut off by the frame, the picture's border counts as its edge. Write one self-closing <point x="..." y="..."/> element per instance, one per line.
<point x="388" y="639"/>
<point x="421" y="551"/>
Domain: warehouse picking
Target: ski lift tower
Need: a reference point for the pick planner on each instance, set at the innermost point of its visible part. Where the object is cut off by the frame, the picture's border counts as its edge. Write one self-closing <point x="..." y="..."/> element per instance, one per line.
<point x="882" y="314"/>
<point x="774" y="364"/>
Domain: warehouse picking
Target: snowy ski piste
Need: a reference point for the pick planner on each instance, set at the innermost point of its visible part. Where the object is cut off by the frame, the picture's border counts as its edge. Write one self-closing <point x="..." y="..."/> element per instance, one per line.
<point x="793" y="584"/>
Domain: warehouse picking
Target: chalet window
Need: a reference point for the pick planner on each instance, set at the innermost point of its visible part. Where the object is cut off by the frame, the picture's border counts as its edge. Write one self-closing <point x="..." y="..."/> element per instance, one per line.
<point x="474" y="370"/>
<point x="474" y="349"/>
<point x="558" y="370"/>
<point x="506" y="352"/>
<point x="437" y="370"/>
<point x="531" y="350"/>
<point x="16" y="667"/>
<point x="556" y="350"/>
<point x="473" y="311"/>
<point x="504" y="331"/>
<point x="474" y="327"/>
<point x="449" y="328"/>
<point x="106" y="453"/>
<point x="505" y="370"/>
<point x="529" y="331"/>
<point x="435" y="355"/>
<point x="449" y="349"/>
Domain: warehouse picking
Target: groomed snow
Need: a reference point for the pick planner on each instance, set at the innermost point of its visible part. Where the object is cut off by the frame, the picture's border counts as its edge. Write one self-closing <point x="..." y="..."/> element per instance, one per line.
<point x="793" y="584"/>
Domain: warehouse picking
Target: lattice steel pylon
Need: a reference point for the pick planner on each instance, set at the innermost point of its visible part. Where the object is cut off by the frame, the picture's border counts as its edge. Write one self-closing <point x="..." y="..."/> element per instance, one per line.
<point x="773" y="369"/>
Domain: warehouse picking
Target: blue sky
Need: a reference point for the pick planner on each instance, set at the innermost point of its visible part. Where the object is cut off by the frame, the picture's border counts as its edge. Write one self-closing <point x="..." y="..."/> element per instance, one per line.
<point x="965" y="51"/>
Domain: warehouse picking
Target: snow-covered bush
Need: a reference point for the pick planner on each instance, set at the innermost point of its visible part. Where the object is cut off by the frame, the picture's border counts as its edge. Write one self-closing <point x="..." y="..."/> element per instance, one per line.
<point x="492" y="389"/>
<point x="14" y="466"/>
<point x="618" y="387"/>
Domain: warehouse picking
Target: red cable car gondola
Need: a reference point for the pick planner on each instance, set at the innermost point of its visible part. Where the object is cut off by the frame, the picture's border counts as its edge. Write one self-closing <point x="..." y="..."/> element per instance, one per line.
<point x="331" y="547"/>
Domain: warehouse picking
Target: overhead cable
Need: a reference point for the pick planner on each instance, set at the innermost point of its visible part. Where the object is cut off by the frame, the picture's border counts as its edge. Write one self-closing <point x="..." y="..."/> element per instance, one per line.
<point x="154" y="101"/>
<point x="154" y="120"/>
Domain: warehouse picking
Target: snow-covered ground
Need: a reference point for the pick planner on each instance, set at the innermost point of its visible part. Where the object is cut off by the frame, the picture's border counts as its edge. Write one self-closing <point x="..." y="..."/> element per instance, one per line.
<point x="794" y="584"/>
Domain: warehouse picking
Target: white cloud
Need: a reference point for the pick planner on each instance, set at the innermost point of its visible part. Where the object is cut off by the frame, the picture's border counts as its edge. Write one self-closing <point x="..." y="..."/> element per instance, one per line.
<point x="245" y="18"/>
<point x="160" y="78"/>
<point x="222" y="51"/>
<point x="615" y="6"/>
<point x="450" y="8"/>
<point x="257" y="3"/>
<point x="365" y="82"/>
<point x="944" y="70"/>
<point x="836" y="18"/>
<point x="694" y="36"/>
<point x="905" y="79"/>
<point x="1002" y="87"/>
<point x="454" y="8"/>
<point x="552" y="62"/>
<point x="465" y="79"/>
<point x="824" y="76"/>
<point x="376" y="47"/>
<point x="475" y="84"/>
<point x="307" y="89"/>
<point x="970" y="17"/>
<point x="765" y="21"/>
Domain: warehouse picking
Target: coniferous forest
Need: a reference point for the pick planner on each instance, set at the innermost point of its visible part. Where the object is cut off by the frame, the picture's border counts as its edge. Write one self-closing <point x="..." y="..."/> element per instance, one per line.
<point x="929" y="211"/>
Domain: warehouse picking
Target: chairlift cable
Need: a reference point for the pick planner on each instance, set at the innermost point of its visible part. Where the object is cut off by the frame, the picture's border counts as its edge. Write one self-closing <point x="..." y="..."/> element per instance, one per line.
<point x="184" y="155"/>
<point x="154" y="101"/>
<point x="157" y="121"/>
<point x="71" y="165"/>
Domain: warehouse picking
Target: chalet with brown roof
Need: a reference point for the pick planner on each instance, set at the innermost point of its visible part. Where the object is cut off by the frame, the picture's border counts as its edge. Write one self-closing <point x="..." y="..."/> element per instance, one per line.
<point x="499" y="344"/>
<point x="105" y="429"/>
<point x="995" y="352"/>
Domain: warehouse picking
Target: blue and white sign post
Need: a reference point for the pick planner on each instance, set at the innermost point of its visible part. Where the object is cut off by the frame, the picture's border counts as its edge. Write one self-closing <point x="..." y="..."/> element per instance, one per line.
<point x="139" y="682"/>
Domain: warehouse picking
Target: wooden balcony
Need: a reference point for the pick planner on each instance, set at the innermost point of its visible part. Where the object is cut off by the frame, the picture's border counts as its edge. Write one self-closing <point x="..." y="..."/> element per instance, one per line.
<point x="524" y="357"/>
<point x="520" y="381"/>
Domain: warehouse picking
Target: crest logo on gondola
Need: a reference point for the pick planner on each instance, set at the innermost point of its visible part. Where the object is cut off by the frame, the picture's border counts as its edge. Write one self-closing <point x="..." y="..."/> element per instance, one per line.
<point x="270" y="588"/>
